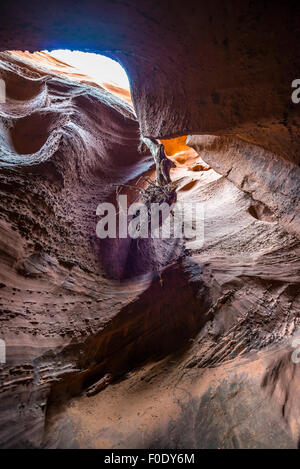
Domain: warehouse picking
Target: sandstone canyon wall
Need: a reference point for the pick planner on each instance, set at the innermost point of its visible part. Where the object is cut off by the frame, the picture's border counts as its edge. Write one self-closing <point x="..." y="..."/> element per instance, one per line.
<point x="198" y="343"/>
<point x="194" y="67"/>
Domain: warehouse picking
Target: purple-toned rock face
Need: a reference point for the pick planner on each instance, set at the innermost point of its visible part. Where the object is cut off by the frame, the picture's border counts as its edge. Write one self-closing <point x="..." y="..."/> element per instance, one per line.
<point x="194" y="67"/>
<point x="150" y="343"/>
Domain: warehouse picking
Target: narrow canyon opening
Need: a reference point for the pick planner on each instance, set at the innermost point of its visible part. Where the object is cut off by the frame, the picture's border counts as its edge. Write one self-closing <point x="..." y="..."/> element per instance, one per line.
<point x="144" y="341"/>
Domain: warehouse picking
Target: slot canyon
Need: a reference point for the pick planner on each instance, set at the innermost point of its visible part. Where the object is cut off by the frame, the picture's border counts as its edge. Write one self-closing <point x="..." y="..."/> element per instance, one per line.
<point x="157" y="342"/>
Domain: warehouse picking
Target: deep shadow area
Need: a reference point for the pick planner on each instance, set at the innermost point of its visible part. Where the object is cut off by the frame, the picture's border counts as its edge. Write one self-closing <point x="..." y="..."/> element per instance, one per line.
<point x="261" y="212"/>
<point x="162" y="320"/>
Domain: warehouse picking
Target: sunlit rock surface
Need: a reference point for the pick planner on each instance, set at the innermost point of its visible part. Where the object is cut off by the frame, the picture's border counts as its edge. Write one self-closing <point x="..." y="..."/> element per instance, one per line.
<point x="197" y="337"/>
<point x="46" y="61"/>
<point x="272" y="182"/>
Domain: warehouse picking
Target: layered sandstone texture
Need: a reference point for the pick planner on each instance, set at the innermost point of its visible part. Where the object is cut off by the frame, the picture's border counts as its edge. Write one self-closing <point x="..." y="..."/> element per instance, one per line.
<point x="194" y="67"/>
<point x="192" y="338"/>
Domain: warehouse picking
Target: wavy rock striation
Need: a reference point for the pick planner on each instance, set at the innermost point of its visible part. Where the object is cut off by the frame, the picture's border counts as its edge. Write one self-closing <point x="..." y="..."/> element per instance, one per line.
<point x="61" y="152"/>
<point x="195" y="68"/>
<point x="196" y="336"/>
